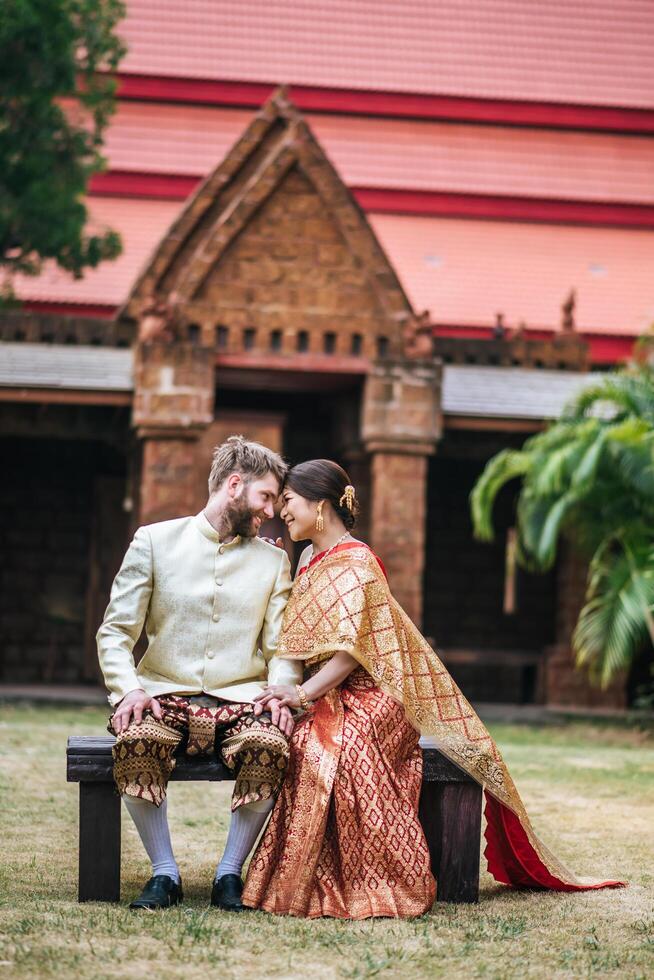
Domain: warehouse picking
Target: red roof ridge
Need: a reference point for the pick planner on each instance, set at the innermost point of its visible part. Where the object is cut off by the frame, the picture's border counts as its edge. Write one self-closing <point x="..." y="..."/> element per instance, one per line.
<point x="389" y="103"/>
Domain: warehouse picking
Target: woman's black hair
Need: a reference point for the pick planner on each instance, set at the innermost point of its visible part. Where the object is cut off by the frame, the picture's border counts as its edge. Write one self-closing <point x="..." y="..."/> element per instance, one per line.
<point x="322" y="479"/>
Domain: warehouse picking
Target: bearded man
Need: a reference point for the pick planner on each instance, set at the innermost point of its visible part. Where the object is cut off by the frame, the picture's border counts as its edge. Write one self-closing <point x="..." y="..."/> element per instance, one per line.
<point x="211" y="595"/>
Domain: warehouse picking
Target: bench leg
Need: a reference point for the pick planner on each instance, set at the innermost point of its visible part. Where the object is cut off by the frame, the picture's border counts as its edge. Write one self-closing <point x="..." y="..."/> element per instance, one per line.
<point x="451" y="818"/>
<point x="99" y="843"/>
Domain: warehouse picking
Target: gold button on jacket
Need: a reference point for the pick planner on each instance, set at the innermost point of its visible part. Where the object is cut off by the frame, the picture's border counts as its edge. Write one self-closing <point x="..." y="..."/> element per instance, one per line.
<point x="202" y="637"/>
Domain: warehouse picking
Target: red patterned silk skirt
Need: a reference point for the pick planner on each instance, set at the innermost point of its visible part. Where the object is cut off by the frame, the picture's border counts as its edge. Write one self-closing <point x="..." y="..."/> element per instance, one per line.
<point x="344" y="838"/>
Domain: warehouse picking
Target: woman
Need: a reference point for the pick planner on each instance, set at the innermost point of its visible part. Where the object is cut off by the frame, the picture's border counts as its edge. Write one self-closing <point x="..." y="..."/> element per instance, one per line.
<point x="344" y="838"/>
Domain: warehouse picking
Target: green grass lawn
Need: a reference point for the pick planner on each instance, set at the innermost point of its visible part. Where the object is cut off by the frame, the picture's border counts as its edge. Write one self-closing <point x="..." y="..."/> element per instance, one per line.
<point x="589" y="790"/>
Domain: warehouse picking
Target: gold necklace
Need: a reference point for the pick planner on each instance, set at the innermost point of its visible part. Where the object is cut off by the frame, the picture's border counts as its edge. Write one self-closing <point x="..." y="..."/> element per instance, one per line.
<point x="304" y="581"/>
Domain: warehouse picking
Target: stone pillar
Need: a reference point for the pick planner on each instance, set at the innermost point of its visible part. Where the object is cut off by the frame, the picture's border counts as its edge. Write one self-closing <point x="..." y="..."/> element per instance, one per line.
<point x="397" y="523"/>
<point x="173" y="404"/>
<point x="401" y="423"/>
<point x="564" y="684"/>
<point x="349" y="451"/>
<point x="168" y="467"/>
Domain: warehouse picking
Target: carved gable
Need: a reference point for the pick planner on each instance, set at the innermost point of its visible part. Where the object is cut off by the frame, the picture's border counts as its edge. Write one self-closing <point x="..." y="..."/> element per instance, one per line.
<point x="272" y="254"/>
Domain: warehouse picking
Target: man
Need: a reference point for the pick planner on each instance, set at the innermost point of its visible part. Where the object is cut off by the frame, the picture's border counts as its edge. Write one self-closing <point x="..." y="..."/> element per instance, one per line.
<point x="211" y="595"/>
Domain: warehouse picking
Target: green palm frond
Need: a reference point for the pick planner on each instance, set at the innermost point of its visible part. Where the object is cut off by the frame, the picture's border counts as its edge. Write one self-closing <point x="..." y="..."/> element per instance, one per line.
<point x="558" y="434"/>
<point x="641" y="561"/>
<point x="551" y="471"/>
<point x="590" y="476"/>
<point x="630" y="392"/>
<point x="541" y="521"/>
<point x="595" y="482"/>
<point x="500" y="470"/>
<point x="617" y="618"/>
<point x="630" y="431"/>
<point x="554" y="469"/>
<point x="631" y="447"/>
<point x="532" y="513"/>
<point x="551" y="529"/>
<point x="589" y="463"/>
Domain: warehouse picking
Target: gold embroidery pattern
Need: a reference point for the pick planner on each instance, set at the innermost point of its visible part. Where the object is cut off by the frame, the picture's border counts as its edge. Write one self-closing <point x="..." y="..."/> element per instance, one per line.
<point x="344" y="838"/>
<point x="258" y="754"/>
<point x="348" y="607"/>
<point x="253" y="748"/>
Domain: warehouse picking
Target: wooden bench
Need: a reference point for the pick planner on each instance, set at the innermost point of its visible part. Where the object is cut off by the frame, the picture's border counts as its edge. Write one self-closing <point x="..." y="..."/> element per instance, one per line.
<point x="450" y="812"/>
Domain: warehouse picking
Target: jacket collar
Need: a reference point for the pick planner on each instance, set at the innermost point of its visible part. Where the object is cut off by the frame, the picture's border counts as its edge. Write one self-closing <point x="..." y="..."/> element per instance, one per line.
<point x="209" y="531"/>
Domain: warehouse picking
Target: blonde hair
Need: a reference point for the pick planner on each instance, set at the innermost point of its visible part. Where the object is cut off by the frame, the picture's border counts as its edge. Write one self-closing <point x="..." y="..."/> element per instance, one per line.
<point x="252" y="460"/>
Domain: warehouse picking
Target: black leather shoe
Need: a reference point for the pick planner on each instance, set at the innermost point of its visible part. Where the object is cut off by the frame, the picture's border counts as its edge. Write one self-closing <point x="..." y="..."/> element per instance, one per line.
<point x="226" y="894"/>
<point x="160" y="893"/>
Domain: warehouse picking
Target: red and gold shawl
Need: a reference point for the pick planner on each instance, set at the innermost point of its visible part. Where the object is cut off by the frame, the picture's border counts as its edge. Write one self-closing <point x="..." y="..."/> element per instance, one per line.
<point x="343" y="603"/>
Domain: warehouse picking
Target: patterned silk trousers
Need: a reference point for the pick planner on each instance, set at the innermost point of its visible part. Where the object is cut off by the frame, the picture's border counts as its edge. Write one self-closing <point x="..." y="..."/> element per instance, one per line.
<point x="252" y="747"/>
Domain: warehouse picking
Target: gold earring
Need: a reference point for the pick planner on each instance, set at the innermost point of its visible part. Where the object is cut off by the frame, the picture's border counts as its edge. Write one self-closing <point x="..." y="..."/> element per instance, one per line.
<point x="320" y="521"/>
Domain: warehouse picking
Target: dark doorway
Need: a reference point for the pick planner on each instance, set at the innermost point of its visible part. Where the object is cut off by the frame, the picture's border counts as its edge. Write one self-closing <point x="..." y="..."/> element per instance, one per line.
<point x="62" y="531"/>
<point x="489" y="619"/>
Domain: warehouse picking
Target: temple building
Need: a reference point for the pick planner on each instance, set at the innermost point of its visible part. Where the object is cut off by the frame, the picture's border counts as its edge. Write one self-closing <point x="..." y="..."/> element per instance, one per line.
<point x="397" y="235"/>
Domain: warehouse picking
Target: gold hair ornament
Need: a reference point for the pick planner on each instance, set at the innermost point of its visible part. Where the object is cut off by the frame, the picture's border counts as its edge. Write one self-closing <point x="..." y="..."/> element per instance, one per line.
<point x="320" y="520"/>
<point x="348" y="497"/>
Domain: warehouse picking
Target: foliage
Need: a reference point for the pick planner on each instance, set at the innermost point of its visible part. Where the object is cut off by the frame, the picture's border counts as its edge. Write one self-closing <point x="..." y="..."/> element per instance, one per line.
<point x="591" y="476"/>
<point x="56" y="97"/>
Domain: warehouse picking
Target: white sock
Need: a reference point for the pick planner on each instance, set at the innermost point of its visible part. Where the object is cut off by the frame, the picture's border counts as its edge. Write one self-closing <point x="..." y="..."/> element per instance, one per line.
<point x="152" y="824"/>
<point x="244" y="829"/>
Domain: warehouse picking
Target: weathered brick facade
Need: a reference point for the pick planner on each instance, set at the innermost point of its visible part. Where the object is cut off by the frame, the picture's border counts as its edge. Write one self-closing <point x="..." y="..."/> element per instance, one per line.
<point x="273" y="255"/>
<point x="49" y="578"/>
<point x="292" y="281"/>
<point x="272" y="266"/>
<point x="271" y="286"/>
<point x="270" y="257"/>
<point x="399" y="427"/>
<point x="173" y="405"/>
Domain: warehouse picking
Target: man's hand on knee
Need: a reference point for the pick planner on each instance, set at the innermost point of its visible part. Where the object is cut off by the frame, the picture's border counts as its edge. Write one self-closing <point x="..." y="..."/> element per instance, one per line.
<point x="134" y="703"/>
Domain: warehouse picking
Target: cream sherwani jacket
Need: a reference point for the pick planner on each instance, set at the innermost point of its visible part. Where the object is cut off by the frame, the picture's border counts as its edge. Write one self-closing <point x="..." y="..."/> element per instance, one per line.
<point x="212" y="614"/>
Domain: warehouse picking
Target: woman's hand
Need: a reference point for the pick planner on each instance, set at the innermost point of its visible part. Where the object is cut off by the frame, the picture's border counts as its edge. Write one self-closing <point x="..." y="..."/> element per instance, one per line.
<point x="285" y="694"/>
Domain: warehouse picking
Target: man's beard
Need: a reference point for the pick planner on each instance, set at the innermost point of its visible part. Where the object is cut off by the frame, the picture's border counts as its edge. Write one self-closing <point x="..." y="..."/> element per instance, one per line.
<point x="238" y="519"/>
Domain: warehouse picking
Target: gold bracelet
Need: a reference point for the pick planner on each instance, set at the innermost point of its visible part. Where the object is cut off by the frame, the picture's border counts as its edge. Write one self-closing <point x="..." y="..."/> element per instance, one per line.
<point x="305" y="704"/>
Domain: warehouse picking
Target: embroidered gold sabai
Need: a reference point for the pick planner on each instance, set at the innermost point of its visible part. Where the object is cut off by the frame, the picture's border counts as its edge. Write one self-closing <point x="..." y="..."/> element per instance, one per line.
<point x="345" y="604"/>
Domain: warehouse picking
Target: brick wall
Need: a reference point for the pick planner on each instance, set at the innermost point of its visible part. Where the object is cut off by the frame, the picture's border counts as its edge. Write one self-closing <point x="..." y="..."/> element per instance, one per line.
<point x="397" y="527"/>
<point x="46" y="513"/>
<point x="290" y="284"/>
<point x="400" y="423"/>
<point x="168" y="486"/>
<point x="173" y="405"/>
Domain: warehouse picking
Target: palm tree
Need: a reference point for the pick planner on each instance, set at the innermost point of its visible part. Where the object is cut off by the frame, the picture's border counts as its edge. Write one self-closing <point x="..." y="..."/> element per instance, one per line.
<point x="590" y="476"/>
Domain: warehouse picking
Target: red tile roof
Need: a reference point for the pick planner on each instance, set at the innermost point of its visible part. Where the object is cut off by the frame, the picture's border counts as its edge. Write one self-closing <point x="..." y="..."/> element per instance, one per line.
<point x="464" y="272"/>
<point x="400" y="154"/>
<point x="597" y="53"/>
<point x="141" y="223"/>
